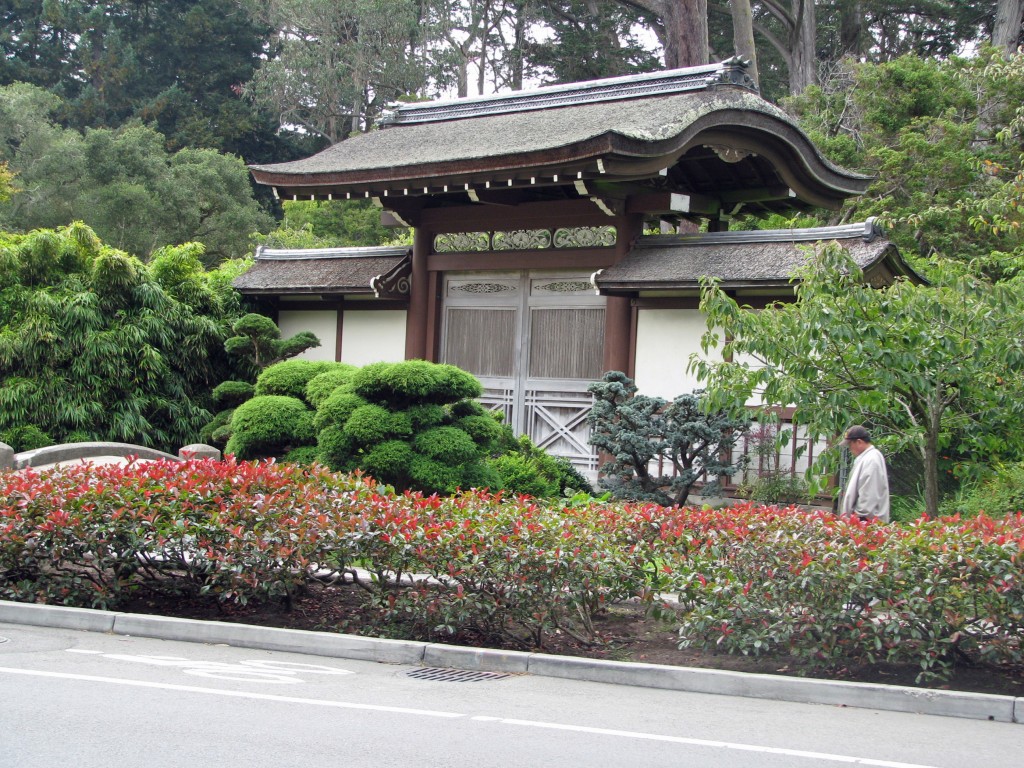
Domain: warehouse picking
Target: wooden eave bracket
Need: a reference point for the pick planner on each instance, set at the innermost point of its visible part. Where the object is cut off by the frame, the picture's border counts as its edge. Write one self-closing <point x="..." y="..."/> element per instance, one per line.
<point x="608" y="206"/>
<point x="672" y="203"/>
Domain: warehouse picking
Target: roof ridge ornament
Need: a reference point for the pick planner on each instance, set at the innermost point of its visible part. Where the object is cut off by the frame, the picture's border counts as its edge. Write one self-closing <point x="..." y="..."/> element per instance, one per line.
<point x="729" y="72"/>
<point x="264" y="253"/>
<point x="734" y="72"/>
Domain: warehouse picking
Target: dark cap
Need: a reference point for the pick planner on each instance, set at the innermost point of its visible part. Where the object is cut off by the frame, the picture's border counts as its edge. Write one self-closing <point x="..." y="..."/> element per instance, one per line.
<point x="858" y="432"/>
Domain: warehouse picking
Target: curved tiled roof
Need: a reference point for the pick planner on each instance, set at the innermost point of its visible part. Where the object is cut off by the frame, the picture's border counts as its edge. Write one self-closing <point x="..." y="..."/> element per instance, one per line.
<point x="615" y="129"/>
<point x="750" y="259"/>
<point x="321" y="270"/>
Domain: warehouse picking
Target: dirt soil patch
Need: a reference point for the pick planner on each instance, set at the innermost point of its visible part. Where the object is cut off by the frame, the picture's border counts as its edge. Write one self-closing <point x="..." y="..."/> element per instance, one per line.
<point x="625" y="634"/>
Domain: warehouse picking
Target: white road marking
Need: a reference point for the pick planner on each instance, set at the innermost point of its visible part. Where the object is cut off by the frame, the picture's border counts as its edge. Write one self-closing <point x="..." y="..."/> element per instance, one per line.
<point x="821" y="756"/>
<point x="251" y="670"/>
<point x="705" y="743"/>
<point x="230" y="694"/>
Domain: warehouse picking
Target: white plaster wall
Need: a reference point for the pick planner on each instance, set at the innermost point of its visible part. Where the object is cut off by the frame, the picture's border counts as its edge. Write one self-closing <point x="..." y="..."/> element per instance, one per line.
<point x="372" y="336"/>
<point x="665" y="339"/>
<point x="322" y="322"/>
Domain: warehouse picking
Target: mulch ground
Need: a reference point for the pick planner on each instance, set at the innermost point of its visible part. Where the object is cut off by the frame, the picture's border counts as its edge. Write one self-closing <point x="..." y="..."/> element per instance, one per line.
<point x="625" y="634"/>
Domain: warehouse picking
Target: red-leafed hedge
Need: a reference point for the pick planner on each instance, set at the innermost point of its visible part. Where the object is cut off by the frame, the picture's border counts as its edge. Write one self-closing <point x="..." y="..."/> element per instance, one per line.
<point x="478" y="567"/>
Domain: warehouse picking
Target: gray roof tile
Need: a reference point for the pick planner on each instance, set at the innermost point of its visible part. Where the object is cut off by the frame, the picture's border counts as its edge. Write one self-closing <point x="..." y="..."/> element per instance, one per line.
<point x="315" y="271"/>
<point x="742" y="259"/>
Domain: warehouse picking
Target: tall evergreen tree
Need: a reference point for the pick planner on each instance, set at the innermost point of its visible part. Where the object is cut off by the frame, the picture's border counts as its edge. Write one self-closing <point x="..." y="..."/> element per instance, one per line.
<point x="337" y="64"/>
<point x="590" y="40"/>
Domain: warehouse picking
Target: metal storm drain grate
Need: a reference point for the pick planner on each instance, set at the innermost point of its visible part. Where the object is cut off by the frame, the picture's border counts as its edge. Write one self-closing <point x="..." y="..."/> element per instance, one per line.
<point x="454" y="675"/>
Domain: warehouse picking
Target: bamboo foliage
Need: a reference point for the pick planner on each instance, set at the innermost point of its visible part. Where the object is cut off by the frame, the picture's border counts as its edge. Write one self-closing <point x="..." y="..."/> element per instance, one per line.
<point x="96" y="345"/>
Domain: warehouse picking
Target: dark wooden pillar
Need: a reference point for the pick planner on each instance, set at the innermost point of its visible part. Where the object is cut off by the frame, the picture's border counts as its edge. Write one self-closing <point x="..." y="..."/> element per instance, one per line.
<point x="417" y="320"/>
<point x="619" y="338"/>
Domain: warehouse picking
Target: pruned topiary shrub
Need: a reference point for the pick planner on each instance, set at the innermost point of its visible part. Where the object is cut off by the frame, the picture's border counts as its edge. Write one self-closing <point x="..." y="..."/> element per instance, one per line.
<point x="218" y="431"/>
<point x="323" y="385"/>
<point x="229" y="394"/>
<point x="413" y="425"/>
<point x="337" y="408"/>
<point x="269" y="425"/>
<point x="290" y="377"/>
<point x="258" y="346"/>
<point x="304" y="455"/>
<point x="410" y="425"/>
<point x="415" y="382"/>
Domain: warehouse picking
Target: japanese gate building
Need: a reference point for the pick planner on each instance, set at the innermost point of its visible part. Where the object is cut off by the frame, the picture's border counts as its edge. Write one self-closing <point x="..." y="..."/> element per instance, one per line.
<point x="529" y="265"/>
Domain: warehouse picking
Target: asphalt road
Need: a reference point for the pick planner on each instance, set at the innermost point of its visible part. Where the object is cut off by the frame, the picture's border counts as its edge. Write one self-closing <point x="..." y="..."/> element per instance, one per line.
<point x="81" y="699"/>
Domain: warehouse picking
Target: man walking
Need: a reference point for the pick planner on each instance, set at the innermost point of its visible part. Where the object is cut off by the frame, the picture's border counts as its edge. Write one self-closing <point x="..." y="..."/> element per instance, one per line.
<point x="867" y="490"/>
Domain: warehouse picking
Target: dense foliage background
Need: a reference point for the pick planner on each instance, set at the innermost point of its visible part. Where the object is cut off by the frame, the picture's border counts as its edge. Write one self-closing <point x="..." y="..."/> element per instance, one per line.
<point x="138" y="118"/>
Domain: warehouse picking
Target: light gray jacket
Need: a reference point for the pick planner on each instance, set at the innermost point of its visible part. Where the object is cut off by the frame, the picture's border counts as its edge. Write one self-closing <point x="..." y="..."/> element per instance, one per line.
<point x="867" y="490"/>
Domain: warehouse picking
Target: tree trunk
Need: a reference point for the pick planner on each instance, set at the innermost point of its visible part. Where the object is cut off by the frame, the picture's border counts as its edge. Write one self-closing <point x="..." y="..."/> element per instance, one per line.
<point x="743" y="35"/>
<point x="803" y="69"/>
<point x="517" y="53"/>
<point x="686" y="29"/>
<point x="1006" y="29"/>
<point x="462" y="86"/>
<point x="930" y="454"/>
<point x="851" y="29"/>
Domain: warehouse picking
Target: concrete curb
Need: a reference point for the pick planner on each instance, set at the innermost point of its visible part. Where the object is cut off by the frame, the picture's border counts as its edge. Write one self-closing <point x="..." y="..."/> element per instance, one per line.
<point x="977" y="706"/>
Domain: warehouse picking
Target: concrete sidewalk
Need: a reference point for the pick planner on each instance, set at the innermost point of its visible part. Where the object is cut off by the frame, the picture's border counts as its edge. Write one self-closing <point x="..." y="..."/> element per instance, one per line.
<point x="979" y="706"/>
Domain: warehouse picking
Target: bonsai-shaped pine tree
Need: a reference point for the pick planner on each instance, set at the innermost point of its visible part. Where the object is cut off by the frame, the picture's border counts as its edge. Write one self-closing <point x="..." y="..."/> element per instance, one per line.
<point x="256" y="346"/>
<point x="659" y="449"/>
<point x="257" y="342"/>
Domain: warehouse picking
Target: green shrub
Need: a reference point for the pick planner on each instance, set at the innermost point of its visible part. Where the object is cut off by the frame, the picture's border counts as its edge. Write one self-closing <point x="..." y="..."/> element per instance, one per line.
<point x="471" y="408"/>
<point x="268" y="425"/>
<point x="304" y="431"/>
<point x="221" y="435"/>
<point x="337" y="408"/>
<point x="486" y="431"/>
<point x="480" y="475"/>
<point x="370" y="424"/>
<point x="448" y="445"/>
<point x="519" y="475"/>
<point x="425" y="416"/>
<point x="998" y="495"/>
<point x="414" y="382"/>
<point x="229" y="394"/>
<point x="391" y="459"/>
<point x="775" y="488"/>
<point x="432" y="476"/>
<point x="26" y="438"/>
<point x="407" y="425"/>
<point x="303" y="455"/>
<point x="526" y="469"/>
<point x="218" y="430"/>
<point x="289" y="378"/>
<point x="336" y="449"/>
<point x="321" y="386"/>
